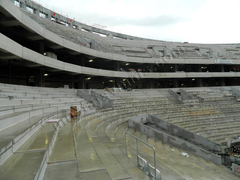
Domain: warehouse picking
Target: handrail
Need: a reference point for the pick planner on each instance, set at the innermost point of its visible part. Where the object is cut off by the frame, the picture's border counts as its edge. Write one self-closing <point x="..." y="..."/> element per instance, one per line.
<point x="137" y="139"/>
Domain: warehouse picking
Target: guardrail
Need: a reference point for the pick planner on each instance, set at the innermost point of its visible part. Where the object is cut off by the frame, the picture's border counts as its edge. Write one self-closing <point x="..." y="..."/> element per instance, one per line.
<point x="140" y="159"/>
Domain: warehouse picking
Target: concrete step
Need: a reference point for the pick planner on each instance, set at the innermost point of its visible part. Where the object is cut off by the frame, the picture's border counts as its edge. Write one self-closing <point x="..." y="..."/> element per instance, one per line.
<point x="22" y="166"/>
<point x="64" y="148"/>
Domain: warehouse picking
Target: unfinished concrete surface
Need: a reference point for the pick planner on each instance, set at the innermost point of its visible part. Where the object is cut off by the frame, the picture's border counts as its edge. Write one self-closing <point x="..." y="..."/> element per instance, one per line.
<point x="93" y="147"/>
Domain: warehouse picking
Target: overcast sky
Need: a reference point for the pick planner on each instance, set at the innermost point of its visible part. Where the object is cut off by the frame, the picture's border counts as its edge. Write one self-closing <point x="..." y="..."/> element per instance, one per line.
<point x="200" y="21"/>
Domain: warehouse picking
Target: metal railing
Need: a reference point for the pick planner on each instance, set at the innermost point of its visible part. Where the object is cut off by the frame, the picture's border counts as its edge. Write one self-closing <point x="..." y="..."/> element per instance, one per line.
<point x="137" y="139"/>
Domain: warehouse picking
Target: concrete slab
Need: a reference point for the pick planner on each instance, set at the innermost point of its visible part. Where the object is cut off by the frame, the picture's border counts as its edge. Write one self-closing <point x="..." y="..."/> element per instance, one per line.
<point x="21" y="166"/>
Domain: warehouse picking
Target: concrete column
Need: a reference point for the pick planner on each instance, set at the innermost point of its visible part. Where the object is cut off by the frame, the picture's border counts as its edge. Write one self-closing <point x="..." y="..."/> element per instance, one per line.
<point x="72" y="82"/>
<point x="41" y="48"/>
<point x="223" y="83"/>
<point x="189" y="69"/>
<point x="23" y="5"/>
<point x="199" y="68"/>
<point x="9" y="72"/>
<point x="144" y="83"/>
<point x="70" y="24"/>
<point x="151" y="83"/>
<point x="48" y="16"/>
<point x="117" y="68"/>
<point x="151" y="67"/>
<point x="83" y="59"/>
<point x="36" y="11"/>
<point x="39" y="78"/>
<point x="42" y="77"/>
<point x="164" y="68"/>
<point x="175" y="83"/>
<point x="82" y="82"/>
<point x="200" y="82"/>
<point x="175" y="67"/>
<point x="222" y="68"/>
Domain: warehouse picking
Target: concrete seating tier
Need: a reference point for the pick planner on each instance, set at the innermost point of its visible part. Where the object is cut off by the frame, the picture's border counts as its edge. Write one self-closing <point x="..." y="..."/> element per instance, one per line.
<point x="25" y="109"/>
<point x="170" y="158"/>
<point x="104" y="131"/>
<point x="30" y="155"/>
<point x="94" y="147"/>
<point x="217" y="111"/>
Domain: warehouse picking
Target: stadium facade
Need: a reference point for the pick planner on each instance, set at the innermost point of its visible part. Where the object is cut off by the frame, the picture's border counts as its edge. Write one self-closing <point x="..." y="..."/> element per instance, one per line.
<point x="40" y="47"/>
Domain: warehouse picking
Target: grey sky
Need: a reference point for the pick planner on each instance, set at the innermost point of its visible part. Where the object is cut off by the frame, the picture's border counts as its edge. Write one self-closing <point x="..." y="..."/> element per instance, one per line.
<point x="202" y="21"/>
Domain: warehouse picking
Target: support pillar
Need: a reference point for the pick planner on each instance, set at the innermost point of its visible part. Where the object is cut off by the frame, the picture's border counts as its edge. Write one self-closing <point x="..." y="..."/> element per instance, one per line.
<point x="175" y="83"/>
<point x="39" y="78"/>
<point x="151" y="83"/>
<point x="223" y="83"/>
<point x="222" y="68"/>
<point x="81" y="82"/>
<point x="199" y="68"/>
<point x="70" y="24"/>
<point x="42" y="77"/>
<point x="41" y="48"/>
<point x="117" y="68"/>
<point x="144" y="85"/>
<point x="175" y="67"/>
<point x="22" y="5"/>
<point x="200" y="82"/>
<point x="49" y="16"/>
<point x="9" y="72"/>
<point x="36" y="11"/>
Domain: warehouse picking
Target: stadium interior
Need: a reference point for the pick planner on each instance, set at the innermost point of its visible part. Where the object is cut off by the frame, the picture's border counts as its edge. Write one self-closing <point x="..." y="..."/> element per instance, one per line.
<point x="79" y="102"/>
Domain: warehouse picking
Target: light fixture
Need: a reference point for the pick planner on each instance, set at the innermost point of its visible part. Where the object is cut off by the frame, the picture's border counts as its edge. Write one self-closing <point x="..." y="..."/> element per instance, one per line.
<point x="171" y="67"/>
<point x="88" y="78"/>
<point x="90" y="60"/>
<point x="127" y="64"/>
<point x="110" y="80"/>
<point x="182" y="84"/>
<point x="124" y="79"/>
<point x="193" y="79"/>
<point x="45" y="54"/>
<point x="46" y="74"/>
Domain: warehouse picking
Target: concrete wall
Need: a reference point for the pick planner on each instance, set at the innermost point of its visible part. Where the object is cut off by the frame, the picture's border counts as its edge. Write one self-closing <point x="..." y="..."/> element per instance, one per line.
<point x="171" y="137"/>
<point x="185" y="95"/>
<point x="185" y="134"/>
<point x="175" y="95"/>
